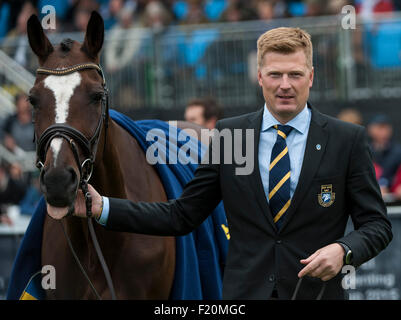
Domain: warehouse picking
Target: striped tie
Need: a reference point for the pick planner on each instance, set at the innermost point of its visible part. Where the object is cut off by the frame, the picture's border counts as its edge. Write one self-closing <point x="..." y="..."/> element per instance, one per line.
<point x="279" y="176"/>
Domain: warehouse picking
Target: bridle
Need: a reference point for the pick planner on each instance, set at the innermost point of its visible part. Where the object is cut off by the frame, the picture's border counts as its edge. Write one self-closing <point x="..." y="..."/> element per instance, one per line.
<point x="70" y="134"/>
<point x="89" y="148"/>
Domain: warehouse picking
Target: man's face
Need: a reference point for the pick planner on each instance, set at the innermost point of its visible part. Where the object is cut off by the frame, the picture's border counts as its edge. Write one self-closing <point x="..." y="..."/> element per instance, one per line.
<point x="285" y="80"/>
<point x="23" y="110"/>
<point x="380" y="133"/>
<point x="194" y="114"/>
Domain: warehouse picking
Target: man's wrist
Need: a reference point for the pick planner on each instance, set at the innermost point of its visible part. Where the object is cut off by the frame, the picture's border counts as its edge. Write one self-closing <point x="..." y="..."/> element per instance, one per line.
<point x="347" y="259"/>
<point x="98" y="213"/>
<point x="104" y="214"/>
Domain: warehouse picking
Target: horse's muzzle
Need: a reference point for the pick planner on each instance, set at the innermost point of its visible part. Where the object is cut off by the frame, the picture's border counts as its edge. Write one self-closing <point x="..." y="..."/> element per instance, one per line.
<point x="59" y="186"/>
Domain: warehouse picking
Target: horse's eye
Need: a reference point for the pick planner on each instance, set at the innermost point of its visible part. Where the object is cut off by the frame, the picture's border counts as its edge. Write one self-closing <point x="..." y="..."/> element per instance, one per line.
<point x="33" y="101"/>
<point x="96" y="96"/>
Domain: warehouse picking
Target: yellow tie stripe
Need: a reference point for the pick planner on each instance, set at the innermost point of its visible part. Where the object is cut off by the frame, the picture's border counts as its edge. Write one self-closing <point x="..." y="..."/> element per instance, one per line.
<point x="278" y="186"/>
<point x="282" y="211"/>
<point x="281" y="133"/>
<point x="278" y="158"/>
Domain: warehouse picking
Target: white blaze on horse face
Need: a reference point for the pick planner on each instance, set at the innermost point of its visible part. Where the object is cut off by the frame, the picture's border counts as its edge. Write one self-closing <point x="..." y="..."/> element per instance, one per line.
<point x="63" y="88"/>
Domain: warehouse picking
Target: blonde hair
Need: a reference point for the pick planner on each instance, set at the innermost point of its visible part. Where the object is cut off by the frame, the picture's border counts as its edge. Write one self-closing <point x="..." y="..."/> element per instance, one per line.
<point x="285" y="40"/>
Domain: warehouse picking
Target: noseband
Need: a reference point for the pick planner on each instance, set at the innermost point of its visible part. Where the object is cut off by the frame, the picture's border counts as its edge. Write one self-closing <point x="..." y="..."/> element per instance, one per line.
<point x="89" y="148"/>
<point x="70" y="134"/>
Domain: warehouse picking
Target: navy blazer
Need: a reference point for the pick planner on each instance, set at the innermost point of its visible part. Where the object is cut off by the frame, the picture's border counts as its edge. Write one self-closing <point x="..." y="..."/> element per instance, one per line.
<point x="337" y="181"/>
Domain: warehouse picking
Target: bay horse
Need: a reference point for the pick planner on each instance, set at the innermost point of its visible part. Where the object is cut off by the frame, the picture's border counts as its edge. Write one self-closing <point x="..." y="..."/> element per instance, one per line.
<point x="141" y="266"/>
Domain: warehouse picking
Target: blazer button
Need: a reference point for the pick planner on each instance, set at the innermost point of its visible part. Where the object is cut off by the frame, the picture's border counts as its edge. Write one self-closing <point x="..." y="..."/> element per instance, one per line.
<point x="278" y="241"/>
<point x="272" y="278"/>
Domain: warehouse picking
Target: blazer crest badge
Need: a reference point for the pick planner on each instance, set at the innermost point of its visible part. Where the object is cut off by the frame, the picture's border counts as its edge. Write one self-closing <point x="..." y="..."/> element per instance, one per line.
<point x="326" y="196"/>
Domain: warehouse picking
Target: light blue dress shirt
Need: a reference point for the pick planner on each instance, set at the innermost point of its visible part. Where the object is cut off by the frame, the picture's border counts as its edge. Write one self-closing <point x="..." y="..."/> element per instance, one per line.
<point x="296" y="143"/>
<point x="105" y="212"/>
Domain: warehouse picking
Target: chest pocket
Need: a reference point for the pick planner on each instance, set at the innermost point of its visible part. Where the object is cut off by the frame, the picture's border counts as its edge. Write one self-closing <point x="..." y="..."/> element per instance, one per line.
<point x="327" y="192"/>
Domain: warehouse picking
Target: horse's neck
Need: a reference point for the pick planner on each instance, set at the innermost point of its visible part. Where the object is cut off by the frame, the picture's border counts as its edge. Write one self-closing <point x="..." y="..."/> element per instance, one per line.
<point x="115" y="157"/>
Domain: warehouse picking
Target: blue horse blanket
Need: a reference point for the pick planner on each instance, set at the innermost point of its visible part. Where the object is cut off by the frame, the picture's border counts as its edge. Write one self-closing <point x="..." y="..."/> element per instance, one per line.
<point x="200" y="255"/>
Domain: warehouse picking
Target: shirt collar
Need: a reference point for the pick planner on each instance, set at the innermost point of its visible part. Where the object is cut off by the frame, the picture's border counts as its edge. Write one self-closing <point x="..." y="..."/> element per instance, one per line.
<point x="300" y="122"/>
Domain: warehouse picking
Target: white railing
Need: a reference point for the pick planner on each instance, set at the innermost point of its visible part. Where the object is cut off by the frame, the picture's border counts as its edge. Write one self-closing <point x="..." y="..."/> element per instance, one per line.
<point x="6" y="103"/>
<point x="15" y="73"/>
<point x="26" y="159"/>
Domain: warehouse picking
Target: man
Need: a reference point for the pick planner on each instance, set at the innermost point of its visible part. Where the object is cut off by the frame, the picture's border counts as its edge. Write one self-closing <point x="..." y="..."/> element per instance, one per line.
<point x="18" y="127"/>
<point x="287" y="218"/>
<point x="386" y="153"/>
<point x="204" y="112"/>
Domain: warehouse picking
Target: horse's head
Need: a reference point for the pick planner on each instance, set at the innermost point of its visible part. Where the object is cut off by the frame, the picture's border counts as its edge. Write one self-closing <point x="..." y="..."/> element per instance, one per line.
<point x="69" y="102"/>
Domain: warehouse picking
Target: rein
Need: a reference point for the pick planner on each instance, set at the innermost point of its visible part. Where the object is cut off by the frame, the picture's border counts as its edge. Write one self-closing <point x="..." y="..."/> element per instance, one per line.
<point x="319" y="296"/>
<point x="89" y="148"/>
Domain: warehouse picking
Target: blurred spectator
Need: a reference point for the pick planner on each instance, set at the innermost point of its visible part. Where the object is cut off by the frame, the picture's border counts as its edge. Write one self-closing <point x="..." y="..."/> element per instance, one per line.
<point x="334" y="7"/>
<point x="315" y="7"/>
<point x="354" y="116"/>
<point x="204" y="112"/>
<point x="16" y="43"/>
<point x="32" y="196"/>
<point x="81" y="19"/>
<point x="195" y="13"/>
<point x="386" y="153"/>
<point x="120" y="53"/>
<point x="18" y="128"/>
<point x="156" y="16"/>
<point x="297" y="9"/>
<point x="214" y="8"/>
<point x="110" y="16"/>
<point x="10" y="11"/>
<point x="378" y="170"/>
<point x="238" y="10"/>
<point x="396" y="185"/>
<point x="265" y="10"/>
<point x="351" y="115"/>
<point x="4" y="18"/>
<point x="12" y="186"/>
<point x="397" y="4"/>
<point x="367" y="8"/>
<point x="74" y="18"/>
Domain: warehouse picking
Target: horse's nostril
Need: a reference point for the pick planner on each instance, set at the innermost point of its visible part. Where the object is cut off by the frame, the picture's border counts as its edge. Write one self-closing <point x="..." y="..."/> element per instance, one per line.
<point x="59" y="186"/>
<point x="73" y="175"/>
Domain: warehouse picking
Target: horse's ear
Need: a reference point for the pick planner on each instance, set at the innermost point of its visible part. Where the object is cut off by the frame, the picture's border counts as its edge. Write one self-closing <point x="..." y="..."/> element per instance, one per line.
<point x="38" y="41"/>
<point x="94" y="36"/>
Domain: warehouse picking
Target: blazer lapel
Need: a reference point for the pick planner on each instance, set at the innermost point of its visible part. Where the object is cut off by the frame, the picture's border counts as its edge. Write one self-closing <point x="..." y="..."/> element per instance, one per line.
<point x="255" y="180"/>
<point x="315" y="147"/>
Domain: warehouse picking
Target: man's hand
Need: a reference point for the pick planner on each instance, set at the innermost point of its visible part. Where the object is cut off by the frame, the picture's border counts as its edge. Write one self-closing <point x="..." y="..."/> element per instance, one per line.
<point x="80" y="207"/>
<point x="325" y="263"/>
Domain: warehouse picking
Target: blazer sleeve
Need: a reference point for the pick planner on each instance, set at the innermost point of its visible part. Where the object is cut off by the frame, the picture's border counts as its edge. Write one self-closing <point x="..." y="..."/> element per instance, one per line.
<point x="365" y="204"/>
<point x="176" y="217"/>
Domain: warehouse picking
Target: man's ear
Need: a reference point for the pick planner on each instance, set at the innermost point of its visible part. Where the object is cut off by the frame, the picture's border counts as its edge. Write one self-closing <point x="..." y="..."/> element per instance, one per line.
<point x="311" y="77"/>
<point x="94" y="36"/>
<point x="260" y="77"/>
<point x="38" y="41"/>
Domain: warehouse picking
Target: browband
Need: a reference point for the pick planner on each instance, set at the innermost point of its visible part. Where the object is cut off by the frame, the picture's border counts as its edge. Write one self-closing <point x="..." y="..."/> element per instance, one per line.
<point x="68" y="70"/>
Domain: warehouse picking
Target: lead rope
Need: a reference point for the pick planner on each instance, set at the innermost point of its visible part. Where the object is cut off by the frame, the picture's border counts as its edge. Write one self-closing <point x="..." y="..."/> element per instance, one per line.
<point x="319" y="296"/>
<point x="79" y="263"/>
<point x="88" y="202"/>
